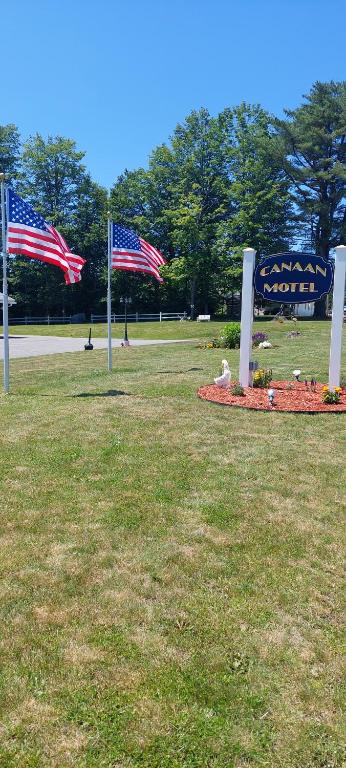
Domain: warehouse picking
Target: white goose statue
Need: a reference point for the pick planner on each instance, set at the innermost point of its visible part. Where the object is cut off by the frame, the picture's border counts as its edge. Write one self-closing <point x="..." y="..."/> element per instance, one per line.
<point x="225" y="378"/>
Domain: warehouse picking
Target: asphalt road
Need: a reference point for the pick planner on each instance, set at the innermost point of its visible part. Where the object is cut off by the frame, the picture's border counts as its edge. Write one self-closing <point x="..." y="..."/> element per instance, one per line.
<point x="34" y="346"/>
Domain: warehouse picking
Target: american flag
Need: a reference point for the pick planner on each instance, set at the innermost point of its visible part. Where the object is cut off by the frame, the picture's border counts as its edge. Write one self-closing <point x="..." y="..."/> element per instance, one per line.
<point x="30" y="235"/>
<point x="131" y="252"/>
<point x="75" y="262"/>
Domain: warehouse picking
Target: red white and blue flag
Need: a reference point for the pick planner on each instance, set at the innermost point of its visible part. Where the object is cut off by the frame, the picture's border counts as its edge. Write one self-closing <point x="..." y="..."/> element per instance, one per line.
<point x="30" y="235"/>
<point x="130" y="252"/>
<point x="75" y="262"/>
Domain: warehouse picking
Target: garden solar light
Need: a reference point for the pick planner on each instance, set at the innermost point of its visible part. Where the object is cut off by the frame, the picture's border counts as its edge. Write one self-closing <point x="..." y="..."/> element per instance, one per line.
<point x="271" y="395"/>
<point x="89" y="345"/>
<point x="296" y="375"/>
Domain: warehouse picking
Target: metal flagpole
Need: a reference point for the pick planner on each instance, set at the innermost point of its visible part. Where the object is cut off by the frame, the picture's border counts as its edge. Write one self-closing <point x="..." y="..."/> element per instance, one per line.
<point x="4" y="288"/>
<point x="109" y="295"/>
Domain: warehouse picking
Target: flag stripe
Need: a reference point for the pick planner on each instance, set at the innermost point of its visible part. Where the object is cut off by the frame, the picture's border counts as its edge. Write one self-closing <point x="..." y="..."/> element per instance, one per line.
<point x="134" y="261"/>
<point x="128" y="252"/>
<point x="153" y="252"/>
<point x="74" y="261"/>
<point x="31" y="232"/>
<point x="130" y="256"/>
<point x="135" y="265"/>
<point x="28" y="251"/>
<point x="25" y="246"/>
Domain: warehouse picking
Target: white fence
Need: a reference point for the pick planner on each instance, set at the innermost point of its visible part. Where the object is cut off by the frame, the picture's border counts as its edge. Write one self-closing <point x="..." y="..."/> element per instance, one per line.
<point x="47" y="320"/>
<point x="67" y="319"/>
<point x="139" y="316"/>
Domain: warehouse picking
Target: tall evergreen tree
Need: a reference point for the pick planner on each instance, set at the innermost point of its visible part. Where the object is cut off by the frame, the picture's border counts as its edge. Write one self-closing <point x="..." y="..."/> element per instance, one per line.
<point x="314" y="143"/>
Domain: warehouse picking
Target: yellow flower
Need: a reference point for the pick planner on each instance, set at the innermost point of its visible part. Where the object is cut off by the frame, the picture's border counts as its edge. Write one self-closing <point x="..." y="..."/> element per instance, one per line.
<point x="325" y="389"/>
<point x="337" y="389"/>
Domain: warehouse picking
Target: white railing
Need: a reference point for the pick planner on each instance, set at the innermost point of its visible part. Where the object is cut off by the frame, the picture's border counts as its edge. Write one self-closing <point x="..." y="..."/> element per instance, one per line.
<point x="136" y="317"/>
<point x="47" y="320"/>
<point x="140" y="317"/>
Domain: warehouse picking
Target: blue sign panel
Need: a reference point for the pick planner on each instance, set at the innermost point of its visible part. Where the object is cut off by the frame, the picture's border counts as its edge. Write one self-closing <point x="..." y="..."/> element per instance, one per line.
<point x="293" y="278"/>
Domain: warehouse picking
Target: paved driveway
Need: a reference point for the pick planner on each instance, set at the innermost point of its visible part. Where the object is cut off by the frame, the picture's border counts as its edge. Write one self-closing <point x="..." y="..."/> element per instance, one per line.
<point x="33" y="346"/>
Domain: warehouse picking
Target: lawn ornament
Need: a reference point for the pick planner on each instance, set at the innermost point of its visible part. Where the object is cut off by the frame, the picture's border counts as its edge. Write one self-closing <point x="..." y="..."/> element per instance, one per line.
<point x="225" y="378"/>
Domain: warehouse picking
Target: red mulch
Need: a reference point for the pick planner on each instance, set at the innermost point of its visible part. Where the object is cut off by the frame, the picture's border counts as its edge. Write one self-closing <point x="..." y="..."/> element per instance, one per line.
<point x="298" y="399"/>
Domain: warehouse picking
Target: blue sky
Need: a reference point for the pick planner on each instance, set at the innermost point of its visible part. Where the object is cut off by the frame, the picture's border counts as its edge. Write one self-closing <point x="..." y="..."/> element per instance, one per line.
<point x="117" y="76"/>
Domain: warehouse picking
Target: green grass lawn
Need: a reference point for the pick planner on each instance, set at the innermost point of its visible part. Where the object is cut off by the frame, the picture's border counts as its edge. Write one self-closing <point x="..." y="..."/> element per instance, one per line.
<point x="171" y="571"/>
<point x="169" y="329"/>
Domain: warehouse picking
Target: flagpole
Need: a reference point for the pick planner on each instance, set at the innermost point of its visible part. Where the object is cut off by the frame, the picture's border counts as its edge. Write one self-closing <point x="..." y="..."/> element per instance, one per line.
<point x="109" y="294"/>
<point x="4" y="288"/>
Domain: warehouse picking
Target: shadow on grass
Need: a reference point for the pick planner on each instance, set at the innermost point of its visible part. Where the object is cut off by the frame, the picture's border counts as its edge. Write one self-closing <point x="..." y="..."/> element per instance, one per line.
<point x="109" y="393"/>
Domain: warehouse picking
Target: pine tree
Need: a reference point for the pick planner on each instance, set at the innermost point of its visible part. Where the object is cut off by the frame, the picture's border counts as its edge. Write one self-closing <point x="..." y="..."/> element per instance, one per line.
<point x="314" y="144"/>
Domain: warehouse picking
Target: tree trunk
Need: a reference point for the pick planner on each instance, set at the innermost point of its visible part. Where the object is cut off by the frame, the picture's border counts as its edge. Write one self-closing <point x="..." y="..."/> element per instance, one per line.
<point x="320" y="311"/>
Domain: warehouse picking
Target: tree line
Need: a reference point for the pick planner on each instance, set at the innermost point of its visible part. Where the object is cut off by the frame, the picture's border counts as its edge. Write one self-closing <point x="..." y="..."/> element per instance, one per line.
<point x="221" y="183"/>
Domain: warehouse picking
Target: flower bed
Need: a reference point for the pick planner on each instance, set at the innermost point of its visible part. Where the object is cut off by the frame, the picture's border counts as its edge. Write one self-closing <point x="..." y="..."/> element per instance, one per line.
<point x="289" y="396"/>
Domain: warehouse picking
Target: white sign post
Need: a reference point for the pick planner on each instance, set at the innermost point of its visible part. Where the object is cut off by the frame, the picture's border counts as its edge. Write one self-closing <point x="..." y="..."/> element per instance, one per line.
<point x="337" y="317"/>
<point x="247" y="297"/>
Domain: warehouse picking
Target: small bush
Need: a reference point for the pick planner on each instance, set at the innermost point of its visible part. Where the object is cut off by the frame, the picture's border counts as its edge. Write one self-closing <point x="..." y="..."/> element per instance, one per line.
<point x="258" y="337"/>
<point x="262" y="378"/>
<point x="230" y="336"/>
<point x="237" y="390"/>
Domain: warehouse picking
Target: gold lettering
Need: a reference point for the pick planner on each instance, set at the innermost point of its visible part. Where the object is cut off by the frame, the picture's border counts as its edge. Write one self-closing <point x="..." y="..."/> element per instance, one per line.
<point x="309" y="268"/>
<point x="287" y="266"/>
<point x="275" y="268"/>
<point x="284" y="287"/>
<point x="293" y="287"/>
<point x="312" y="288"/>
<point x="304" y="287"/>
<point x="298" y="266"/>
<point x="321" y="270"/>
<point x="263" y="271"/>
<point x="271" y="288"/>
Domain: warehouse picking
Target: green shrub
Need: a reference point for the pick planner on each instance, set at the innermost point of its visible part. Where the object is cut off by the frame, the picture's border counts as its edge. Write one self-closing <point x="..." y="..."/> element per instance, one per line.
<point x="231" y="335"/>
<point x="237" y="389"/>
